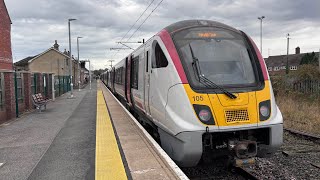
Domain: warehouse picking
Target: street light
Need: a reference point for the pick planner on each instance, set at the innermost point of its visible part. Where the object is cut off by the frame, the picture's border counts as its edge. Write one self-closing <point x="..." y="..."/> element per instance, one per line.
<point x="70" y="59"/>
<point x="287" y="66"/>
<point x="261" y="18"/>
<point x="89" y="71"/>
<point x="78" y="62"/>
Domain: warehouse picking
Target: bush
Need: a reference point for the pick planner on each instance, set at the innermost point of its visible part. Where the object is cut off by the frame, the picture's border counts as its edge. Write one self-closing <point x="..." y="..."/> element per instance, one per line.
<point x="307" y="72"/>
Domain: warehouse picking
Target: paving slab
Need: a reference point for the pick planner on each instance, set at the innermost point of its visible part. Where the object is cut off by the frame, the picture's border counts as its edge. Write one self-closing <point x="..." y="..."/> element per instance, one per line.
<point x="25" y="141"/>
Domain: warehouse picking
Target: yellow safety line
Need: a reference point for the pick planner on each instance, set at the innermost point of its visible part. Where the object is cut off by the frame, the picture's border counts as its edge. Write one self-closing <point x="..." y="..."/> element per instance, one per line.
<point x="109" y="164"/>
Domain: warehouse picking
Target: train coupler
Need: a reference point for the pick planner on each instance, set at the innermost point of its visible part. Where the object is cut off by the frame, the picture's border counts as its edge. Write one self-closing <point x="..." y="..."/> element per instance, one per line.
<point x="243" y="149"/>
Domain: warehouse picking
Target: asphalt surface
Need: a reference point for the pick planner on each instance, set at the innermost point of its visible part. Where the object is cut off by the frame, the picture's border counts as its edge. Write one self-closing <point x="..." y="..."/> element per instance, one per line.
<point x="56" y="144"/>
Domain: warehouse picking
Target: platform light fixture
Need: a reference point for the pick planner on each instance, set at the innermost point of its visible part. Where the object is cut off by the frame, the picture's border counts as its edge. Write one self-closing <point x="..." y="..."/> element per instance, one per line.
<point x="70" y="59"/>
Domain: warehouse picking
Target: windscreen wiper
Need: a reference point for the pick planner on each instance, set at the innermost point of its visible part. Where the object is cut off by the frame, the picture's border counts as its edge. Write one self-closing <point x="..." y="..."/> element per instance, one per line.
<point x="204" y="80"/>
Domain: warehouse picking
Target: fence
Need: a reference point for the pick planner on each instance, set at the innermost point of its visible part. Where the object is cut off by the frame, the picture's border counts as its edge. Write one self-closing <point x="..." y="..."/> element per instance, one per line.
<point x="16" y="89"/>
<point x="307" y="86"/>
<point x="61" y="85"/>
<point x="281" y="84"/>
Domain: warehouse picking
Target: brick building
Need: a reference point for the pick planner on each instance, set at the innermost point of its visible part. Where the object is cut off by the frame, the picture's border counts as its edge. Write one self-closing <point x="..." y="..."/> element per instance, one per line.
<point x="277" y="64"/>
<point x="51" y="61"/>
<point x="5" y="38"/>
<point x="7" y="98"/>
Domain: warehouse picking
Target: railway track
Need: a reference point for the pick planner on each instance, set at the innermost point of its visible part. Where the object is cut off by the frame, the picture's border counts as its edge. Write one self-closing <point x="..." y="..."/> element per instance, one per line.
<point x="303" y="134"/>
<point x="299" y="158"/>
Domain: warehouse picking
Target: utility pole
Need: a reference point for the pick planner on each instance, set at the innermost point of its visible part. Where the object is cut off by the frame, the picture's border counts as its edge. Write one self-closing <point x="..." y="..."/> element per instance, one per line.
<point x="111" y="62"/>
<point x="79" y="81"/>
<point x="287" y="67"/>
<point x="70" y="59"/>
<point x="261" y="18"/>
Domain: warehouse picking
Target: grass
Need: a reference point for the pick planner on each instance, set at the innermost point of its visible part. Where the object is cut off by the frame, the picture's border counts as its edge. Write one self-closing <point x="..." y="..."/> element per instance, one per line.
<point x="300" y="112"/>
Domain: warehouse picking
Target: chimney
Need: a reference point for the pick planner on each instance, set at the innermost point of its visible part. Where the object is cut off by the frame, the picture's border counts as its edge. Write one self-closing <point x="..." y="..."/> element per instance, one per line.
<point x="297" y="50"/>
<point x="65" y="52"/>
<point x="56" y="45"/>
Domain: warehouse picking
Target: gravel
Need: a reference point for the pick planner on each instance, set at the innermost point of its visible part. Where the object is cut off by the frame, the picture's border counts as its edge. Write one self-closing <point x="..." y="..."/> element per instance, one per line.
<point x="293" y="161"/>
<point x="298" y="158"/>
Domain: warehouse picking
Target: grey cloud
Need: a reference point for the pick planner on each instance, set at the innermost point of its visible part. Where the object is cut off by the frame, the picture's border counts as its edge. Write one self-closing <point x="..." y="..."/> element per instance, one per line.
<point x="36" y="24"/>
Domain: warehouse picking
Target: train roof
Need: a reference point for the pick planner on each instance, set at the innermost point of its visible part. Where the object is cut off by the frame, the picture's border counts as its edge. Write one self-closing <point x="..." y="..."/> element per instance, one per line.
<point x="193" y="23"/>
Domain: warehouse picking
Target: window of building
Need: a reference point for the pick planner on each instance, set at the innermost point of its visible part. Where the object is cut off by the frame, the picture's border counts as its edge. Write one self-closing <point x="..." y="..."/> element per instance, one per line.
<point x="283" y="67"/>
<point x="269" y="68"/>
<point x="19" y="87"/>
<point x="135" y="73"/>
<point x="276" y="68"/>
<point x="160" y="59"/>
<point x="293" y="67"/>
<point x="1" y="90"/>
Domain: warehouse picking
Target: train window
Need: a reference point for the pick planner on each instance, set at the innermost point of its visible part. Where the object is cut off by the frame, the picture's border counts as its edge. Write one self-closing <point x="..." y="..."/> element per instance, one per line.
<point x="135" y="73"/>
<point x="160" y="59"/>
<point x="147" y="64"/>
<point x="119" y="75"/>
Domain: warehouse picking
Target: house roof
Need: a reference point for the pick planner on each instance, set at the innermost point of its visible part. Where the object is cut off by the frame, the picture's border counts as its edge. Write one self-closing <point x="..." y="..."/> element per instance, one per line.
<point x="29" y="59"/>
<point x="24" y="61"/>
<point x="7" y="11"/>
<point x="293" y="60"/>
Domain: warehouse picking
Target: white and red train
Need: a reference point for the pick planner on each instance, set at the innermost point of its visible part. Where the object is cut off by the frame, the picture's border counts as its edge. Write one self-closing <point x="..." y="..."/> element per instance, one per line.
<point x="204" y="89"/>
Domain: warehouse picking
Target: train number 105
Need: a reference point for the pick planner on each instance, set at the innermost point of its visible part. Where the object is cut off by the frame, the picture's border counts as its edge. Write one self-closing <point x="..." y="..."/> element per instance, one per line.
<point x="197" y="98"/>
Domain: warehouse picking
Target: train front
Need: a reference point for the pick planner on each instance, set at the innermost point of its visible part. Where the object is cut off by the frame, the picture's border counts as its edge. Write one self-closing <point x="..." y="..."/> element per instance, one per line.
<point x="230" y="95"/>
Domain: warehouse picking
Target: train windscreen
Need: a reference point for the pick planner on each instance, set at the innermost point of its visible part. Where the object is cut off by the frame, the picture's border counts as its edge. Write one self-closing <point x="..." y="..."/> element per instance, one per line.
<point x="223" y="56"/>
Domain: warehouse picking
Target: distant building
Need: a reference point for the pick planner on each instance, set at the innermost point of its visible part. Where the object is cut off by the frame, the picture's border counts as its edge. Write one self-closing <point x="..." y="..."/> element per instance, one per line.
<point x="277" y="64"/>
<point x="5" y="38"/>
<point x="50" y="61"/>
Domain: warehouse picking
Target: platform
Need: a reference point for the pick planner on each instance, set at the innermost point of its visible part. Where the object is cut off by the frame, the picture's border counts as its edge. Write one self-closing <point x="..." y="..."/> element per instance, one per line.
<point x="89" y="137"/>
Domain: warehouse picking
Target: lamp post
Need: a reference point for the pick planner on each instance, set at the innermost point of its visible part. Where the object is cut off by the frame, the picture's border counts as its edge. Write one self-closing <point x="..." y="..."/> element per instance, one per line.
<point x="70" y="59"/>
<point x="261" y="18"/>
<point x="79" y="81"/>
<point x="89" y="71"/>
<point x="287" y="66"/>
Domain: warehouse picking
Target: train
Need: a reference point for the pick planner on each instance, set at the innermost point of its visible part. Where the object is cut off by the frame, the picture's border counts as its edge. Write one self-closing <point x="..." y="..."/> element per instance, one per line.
<point x="203" y="89"/>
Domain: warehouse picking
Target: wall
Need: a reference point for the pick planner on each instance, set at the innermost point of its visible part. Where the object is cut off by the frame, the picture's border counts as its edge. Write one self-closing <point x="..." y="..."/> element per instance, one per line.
<point x="5" y="39"/>
<point x="50" y="62"/>
<point x="56" y="63"/>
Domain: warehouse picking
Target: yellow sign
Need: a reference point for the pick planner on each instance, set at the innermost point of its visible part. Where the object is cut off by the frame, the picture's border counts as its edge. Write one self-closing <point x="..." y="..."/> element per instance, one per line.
<point x="207" y="35"/>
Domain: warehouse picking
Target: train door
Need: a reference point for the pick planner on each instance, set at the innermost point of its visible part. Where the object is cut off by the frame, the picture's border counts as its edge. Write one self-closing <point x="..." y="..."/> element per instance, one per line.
<point x="147" y="70"/>
<point x="160" y="82"/>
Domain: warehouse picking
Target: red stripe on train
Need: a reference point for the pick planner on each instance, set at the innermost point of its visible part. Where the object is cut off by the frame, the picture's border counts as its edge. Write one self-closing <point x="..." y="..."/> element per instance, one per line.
<point x="166" y="38"/>
<point x="261" y="60"/>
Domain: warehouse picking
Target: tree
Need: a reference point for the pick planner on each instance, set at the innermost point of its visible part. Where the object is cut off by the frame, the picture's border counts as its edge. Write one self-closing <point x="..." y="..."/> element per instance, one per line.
<point x="309" y="59"/>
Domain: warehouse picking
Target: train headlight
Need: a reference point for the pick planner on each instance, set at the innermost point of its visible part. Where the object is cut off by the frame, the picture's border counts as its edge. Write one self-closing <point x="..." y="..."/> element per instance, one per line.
<point x="204" y="114"/>
<point x="264" y="110"/>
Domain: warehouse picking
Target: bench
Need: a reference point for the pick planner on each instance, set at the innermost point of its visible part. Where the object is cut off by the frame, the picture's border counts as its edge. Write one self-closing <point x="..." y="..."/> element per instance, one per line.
<point x="39" y="101"/>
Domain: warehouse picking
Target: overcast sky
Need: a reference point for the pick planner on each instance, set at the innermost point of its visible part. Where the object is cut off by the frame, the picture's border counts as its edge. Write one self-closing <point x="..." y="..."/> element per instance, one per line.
<point x="37" y="23"/>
